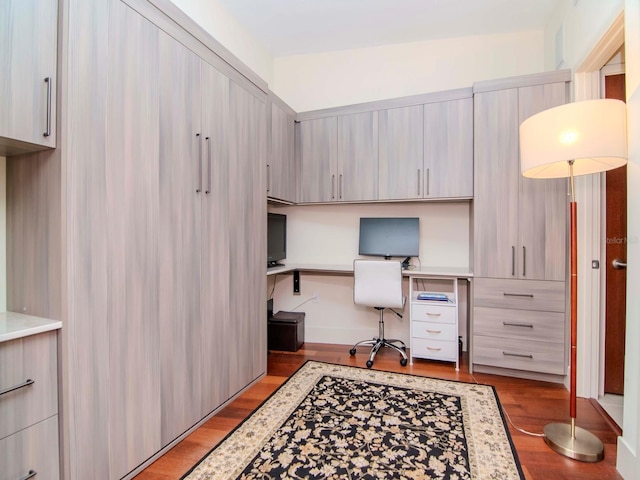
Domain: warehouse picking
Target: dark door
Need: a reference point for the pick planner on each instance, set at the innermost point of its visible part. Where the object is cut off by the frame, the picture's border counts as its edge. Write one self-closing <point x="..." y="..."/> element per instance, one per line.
<point x="616" y="250"/>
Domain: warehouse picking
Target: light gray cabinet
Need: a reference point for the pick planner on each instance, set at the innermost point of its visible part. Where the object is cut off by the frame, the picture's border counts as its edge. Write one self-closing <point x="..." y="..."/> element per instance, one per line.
<point x="357" y="169"/>
<point x="28" y="33"/>
<point x="317" y="145"/>
<point x="281" y="167"/>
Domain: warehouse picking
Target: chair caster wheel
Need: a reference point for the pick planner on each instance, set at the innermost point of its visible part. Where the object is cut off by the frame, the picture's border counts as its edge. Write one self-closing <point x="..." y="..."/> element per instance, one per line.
<point x="352" y="351"/>
<point x="369" y="363"/>
<point x="403" y="362"/>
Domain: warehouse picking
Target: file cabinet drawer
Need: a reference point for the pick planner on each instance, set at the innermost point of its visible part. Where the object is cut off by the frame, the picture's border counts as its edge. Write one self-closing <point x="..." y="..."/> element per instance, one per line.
<point x="435" y="349"/>
<point x="429" y="312"/>
<point x="434" y="331"/>
<point x="34" y="449"/>
<point x="541" y="357"/>
<point x="28" y="381"/>
<point x="538" y="295"/>
<point x="519" y="324"/>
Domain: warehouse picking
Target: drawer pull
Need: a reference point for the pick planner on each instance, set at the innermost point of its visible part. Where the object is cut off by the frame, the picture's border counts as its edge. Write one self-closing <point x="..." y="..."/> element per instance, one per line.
<point x="521" y="355"/>
<point x="527" y="295"/>
<point x="434" y="349"/>
<point x="429" y="314"/>
<point x="510" y="324"/>
<point x="16" y="387"/>
<point x="434" y="332"/>
<point x="31" y="474"/>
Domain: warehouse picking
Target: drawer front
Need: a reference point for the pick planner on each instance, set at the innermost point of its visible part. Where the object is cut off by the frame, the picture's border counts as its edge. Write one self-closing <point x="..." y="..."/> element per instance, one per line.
<point x="434" y="331"/>
<point x="28" y="359"/>
<point x="32" y="449"/>
<point x="428" y="312"/>
<point x="519" y="294"/>
<point x="519" y="354"/>
<point x="434" y="349"/>
<point x="519" y="324"/>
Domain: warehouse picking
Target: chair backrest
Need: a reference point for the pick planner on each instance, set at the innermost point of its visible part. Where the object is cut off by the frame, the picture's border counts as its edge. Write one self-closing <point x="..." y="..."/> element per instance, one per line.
<point x="378" y="283"/>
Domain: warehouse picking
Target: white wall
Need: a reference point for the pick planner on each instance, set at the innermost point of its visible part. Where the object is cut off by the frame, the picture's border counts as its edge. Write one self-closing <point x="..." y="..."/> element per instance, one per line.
<point x="223" y="26"/>
<point x="310" y="82"/>
<point x="3" y="234"/>
<point x="328" y="234"/>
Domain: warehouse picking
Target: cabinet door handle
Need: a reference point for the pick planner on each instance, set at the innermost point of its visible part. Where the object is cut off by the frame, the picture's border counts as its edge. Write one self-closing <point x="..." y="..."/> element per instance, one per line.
<point x="268" y="179"/>
<point x="333" y="187"/>
<point x="340" y="187"/>
<point x="419" y="177"/>
<point x="524" y="261"/>
<point x="31" y="474"/>
<point x="434" y="349"/>
<point x="428" y="182"/>
<point x="511" y="324"/>
<point x="520" y="355"/>
<point x="513" y="261"/>
<point x="48" y="131"/>
<point x="26" y="383"/>
<point x="527" y="295"/>
<point x="199" y="186"/>
<point x="434" y="332"/>
<point x="429" y="314"/>
<point x="208" y="190"/>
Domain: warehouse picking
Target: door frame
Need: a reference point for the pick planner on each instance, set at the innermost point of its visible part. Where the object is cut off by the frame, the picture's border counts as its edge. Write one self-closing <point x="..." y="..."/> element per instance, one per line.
<point x="587" y="86"/>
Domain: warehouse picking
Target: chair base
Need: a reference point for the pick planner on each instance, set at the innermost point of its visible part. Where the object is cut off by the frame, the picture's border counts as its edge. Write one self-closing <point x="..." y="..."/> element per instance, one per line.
<point x="377" y="344"/>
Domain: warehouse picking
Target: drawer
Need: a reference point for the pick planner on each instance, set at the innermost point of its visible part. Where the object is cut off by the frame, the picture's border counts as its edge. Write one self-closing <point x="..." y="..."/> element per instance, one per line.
<point x="519" y="294"/>
<point x="26" y="359"/>
<point x="434" y="331"/>
<point x="434" y="349"/>
<point x="519" y="324"/>
<point x="541" y="357"/>
<point x="32" y="449"/>
<point x="430" y="312"/>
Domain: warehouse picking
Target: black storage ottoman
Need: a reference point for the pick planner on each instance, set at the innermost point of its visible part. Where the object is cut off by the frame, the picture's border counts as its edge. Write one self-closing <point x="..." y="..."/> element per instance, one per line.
<point x="285" y="331"/>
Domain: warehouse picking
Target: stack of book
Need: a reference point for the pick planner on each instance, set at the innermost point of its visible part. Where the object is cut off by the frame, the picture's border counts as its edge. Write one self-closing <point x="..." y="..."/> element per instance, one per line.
<point x="439" y="297"/>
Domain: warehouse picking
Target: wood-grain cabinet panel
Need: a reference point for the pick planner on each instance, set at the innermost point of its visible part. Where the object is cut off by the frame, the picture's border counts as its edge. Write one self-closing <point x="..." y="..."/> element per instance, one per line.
<point x="358" y="157"/>
<point x="519" y="324"/>
<point x="519" y="354"/>
<point x="317" y="145"/>
<point x="281" y="168"/>
<point x="519" y="294"/>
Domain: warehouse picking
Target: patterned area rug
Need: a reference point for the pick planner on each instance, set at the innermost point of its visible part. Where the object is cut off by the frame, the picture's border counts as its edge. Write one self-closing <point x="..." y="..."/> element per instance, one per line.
<point x="336" y="422"/>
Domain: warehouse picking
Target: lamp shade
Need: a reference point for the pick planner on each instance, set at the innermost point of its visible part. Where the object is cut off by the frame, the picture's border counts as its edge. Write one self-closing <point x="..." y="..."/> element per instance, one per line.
<point x="592" y="133"/>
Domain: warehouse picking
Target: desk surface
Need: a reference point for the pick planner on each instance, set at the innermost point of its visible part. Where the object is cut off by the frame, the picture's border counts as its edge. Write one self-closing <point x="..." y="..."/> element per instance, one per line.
<point x="458" y="272"/>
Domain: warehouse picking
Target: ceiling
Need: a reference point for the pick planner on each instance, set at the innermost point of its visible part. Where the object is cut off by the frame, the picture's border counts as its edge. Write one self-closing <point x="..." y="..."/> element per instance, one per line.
<point x="287" y="27"/>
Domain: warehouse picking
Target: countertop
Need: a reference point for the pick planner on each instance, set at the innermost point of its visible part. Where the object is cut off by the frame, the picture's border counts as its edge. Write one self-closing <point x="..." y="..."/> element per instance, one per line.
<point x="17" y="325"/>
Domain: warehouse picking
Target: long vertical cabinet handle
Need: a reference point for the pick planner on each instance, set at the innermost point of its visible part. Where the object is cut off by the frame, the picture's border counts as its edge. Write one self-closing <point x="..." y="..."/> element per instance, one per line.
<point x="419" y="176"/>
<point x="340" y="188"/>
<point x="268" y="179"/>
<point x="333" y="187"/>
<point x="427" y="187"/>
<point x="31" y="474"/>
<point x="48" y="82"/>
<point x="199" y="186"/>
<point x="513" y="261"/>
<point x="524" y="261"/>
<point x="208" y="190"/>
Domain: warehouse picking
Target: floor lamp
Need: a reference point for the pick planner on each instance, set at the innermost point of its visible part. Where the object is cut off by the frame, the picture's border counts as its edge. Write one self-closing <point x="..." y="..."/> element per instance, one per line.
<point x="574" y="139"/>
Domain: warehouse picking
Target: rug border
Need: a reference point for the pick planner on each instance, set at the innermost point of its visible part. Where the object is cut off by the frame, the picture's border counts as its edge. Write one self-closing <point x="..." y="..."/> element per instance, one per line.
<point x="248" y="417"/>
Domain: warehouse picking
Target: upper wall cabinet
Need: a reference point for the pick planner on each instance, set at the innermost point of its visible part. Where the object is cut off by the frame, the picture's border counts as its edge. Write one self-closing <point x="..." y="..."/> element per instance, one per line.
<point x="281" y="167"/>
<point x="28" y="43"/>
<point x="357" y="171"/>
<point x="317" y="145"/>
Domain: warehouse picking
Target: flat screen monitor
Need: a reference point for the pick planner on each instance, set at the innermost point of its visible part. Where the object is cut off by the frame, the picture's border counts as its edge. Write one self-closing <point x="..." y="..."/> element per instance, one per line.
<point x="276" y="238"/>
<point x="389" y="237"/>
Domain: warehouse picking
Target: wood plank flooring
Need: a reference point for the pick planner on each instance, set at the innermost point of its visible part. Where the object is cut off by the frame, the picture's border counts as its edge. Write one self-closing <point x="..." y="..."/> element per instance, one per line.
<point x="529" y="404"/>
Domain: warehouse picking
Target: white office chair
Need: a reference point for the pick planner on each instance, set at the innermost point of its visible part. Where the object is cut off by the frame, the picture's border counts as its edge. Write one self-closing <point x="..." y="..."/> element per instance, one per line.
<point x="378" y="284"/>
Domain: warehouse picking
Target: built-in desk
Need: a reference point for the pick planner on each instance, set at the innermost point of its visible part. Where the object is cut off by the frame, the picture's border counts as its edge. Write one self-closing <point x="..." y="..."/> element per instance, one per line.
<point x="452" y="272"/>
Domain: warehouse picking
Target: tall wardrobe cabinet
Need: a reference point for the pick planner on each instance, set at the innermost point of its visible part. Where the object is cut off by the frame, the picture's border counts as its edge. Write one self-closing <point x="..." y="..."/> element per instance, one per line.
<point x="142" y="231"/>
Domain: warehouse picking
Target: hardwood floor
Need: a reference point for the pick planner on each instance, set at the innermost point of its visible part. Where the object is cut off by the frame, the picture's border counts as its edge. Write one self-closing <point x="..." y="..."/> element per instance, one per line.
<point x="529" y="404"/>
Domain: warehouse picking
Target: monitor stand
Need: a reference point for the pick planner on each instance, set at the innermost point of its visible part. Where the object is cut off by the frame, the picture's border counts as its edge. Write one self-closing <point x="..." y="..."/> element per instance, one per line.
<point x="405" y="263"/>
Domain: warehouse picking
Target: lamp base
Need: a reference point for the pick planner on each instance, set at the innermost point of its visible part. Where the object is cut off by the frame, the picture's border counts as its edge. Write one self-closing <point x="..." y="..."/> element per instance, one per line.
<point x="585" y="447"/>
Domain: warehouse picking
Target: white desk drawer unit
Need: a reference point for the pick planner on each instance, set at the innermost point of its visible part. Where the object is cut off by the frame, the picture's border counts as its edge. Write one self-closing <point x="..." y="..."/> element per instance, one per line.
<point x="29" y="407"/>
<point x="434" y="324"/>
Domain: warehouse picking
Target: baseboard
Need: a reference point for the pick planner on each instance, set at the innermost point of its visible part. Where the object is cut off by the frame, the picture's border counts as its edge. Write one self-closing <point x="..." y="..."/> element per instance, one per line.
<point x="627" y="462"/>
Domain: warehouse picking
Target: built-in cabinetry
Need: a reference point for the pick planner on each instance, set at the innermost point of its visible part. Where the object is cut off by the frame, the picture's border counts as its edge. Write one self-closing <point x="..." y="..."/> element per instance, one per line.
<point x="29" y="407"/>
<point x="28" y="32"/>
<point x="434" y="319"/>
<point x="410" y="148"/>
<point x="519" y="232"/>
<point x="143" y="232"/>
<point x="281" y="162"/>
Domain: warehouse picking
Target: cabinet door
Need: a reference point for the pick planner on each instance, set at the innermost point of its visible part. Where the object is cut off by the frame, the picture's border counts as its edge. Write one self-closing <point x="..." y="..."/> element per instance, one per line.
<point x="27" y="57"/>
<point x="217" y="324"/>
<point x="358" y="157"/>
<point x="132" y="219"/>
<point x="179" y="238"/>
<point x="281" y="172"/>
<point x="496" y="179"/>
<point x="318" y="153"/>
<point x="246" y="340"/>
<point x="401" y="133"/>
<point x="543" y="203"/>
<point x="448" y="149"/>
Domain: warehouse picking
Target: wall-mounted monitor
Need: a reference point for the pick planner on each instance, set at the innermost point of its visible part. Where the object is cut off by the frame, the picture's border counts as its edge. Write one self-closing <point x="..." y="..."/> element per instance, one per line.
<point x="276" y="238"/>
<point x="390" y="237"/>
